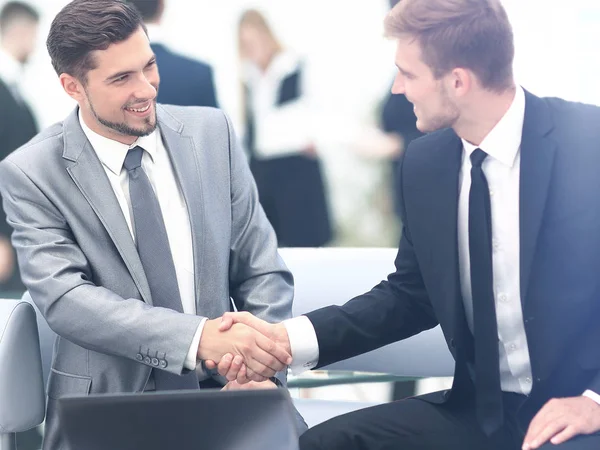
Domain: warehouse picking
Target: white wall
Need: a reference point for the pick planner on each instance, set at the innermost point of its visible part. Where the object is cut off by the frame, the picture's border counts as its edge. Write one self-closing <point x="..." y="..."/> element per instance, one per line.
<point x="557" y="53"/>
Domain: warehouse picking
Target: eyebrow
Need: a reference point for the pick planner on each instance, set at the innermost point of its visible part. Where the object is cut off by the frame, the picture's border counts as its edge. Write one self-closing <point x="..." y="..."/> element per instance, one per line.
<point x="128" y="72"/>
<point x="404" y="72"/>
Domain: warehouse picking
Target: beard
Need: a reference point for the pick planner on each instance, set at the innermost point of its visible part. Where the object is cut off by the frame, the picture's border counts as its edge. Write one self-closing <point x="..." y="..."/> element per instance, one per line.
<point x="446" y="117"/>
<point x="122" y="128"/>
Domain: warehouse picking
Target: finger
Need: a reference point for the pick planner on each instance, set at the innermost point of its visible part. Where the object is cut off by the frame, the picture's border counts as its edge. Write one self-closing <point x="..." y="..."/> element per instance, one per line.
<point x="242" y="376"/>
<point x="551" y="430"/>
<point x="235" y="367"/>
<point x="263" y="363"/>
<point x="568" y="433"/>
<point x="258" y="371"/>
<point x="225" y="364"/>
<point x="278" y="359"/>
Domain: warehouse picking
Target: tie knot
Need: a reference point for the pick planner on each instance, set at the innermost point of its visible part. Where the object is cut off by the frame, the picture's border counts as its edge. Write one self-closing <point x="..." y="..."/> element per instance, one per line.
<point x="477" y="157"/>
<point x="133" y="160"/>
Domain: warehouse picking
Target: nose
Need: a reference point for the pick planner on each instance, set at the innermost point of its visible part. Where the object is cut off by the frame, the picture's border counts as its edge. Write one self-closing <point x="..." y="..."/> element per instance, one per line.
<point x="146" y="87"/>
<point x="398" y="86"/>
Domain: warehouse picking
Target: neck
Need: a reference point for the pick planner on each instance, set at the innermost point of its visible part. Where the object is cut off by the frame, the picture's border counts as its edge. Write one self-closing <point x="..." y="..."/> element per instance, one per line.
<point x="484" y="114"/>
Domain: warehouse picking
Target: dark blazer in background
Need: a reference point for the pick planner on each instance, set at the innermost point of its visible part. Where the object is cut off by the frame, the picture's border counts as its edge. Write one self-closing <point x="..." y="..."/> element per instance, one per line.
<point x="17" y="126"/>
<point x="559" y="258"/>
<point x="184" y="81"/>
<point x="399" y="117"/>
<point x="290" y="187"/>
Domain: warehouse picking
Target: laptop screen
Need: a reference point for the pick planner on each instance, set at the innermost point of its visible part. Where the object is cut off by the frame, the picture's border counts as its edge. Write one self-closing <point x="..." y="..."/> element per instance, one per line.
<point x="231" y="420"/>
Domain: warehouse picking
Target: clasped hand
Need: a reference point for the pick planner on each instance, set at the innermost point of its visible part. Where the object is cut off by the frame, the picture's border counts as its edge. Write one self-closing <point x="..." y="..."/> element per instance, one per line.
<point x="245" y="353"/>
<point x="234" y="366"/>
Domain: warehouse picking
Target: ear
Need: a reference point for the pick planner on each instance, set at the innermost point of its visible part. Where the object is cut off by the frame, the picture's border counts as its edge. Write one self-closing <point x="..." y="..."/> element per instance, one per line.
<point x="72" y="87"/>
<point x="460" y="81"/>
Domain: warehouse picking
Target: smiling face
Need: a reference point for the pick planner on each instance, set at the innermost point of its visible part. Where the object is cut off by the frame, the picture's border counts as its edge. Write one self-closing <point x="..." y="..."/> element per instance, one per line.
<point x="433" y="105"/>
<point x="118" y="99"/>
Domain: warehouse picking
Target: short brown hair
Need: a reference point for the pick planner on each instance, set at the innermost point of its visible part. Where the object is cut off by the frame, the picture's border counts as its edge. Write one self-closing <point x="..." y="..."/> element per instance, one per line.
<point x="87" y="25"/>
<point x="474" y="34"/>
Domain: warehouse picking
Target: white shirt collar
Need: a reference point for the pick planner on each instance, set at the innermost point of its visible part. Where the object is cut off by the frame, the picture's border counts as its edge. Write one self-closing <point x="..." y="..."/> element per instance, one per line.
<point x="10" y="68"/>
<point x="503" y="141"/>
<point x="112" y="153"/>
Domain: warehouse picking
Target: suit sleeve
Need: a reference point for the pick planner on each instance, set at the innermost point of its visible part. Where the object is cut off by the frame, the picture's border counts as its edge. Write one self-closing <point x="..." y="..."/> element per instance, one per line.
<point x="259" y="280"/>
<point x="59" y="278"/>
<point x="395" y="309"/>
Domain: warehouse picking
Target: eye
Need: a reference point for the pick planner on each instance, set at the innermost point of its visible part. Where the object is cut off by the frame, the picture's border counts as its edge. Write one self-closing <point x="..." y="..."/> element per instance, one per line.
<point x="121" y="79"/>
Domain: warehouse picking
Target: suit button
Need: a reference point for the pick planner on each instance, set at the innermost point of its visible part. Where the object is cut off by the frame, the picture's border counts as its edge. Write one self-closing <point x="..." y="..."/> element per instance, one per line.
<point x="452" y="344"/>
<point x="139" y="357"/>
<point x="446" y="394"/>
<point x="163" y="364"/>
<point x="155" y="362"/>
<point x="147" y="360"/>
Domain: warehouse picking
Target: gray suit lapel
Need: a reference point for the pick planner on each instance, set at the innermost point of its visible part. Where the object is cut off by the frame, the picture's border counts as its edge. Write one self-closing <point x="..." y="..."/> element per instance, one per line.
<point x="186" y="164"/>
<point x="89" y="176"/>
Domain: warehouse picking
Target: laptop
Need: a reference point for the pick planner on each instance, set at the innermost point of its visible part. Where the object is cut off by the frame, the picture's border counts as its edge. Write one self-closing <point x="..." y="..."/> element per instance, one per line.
<point x="229" y="420"/>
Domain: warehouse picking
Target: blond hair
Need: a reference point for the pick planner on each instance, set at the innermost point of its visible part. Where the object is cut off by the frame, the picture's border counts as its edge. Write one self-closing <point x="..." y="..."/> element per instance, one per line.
<point x="472" y="34"/>
<point x="256" y="19"/>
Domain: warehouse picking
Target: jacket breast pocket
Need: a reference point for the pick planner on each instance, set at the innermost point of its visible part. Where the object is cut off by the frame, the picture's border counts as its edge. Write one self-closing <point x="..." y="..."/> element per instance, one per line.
<point x="61" y="384"/>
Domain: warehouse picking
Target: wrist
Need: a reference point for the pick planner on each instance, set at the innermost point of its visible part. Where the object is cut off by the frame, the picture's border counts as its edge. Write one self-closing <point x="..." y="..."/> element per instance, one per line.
<point x="282" y="338"/>
<point x="205" y="351"/>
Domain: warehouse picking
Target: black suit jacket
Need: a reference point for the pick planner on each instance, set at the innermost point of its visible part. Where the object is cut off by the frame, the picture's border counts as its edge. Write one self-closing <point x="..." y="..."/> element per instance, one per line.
<point x="559" y="257"/>
<point x="184" y="81"/>
<point x="17" y="126"/>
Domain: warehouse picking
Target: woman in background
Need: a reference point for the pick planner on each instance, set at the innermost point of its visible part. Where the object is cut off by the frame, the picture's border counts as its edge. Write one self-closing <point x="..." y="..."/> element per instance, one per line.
<point x="283" y="159"/>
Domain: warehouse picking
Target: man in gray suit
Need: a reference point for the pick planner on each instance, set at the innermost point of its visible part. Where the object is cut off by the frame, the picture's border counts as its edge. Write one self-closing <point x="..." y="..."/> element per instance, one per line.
<point x="135" y="224"/>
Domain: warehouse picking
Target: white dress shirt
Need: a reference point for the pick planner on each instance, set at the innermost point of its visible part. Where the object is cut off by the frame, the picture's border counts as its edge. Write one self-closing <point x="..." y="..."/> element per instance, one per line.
<point x="280" y="130"/>
<point x="157" y="165"/>
<point x="502" y="171"/>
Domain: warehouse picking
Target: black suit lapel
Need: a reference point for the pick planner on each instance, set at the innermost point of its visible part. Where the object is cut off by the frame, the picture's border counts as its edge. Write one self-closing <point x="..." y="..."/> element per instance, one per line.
<point x="537" y="158"/>
<point x="436" y="188"/>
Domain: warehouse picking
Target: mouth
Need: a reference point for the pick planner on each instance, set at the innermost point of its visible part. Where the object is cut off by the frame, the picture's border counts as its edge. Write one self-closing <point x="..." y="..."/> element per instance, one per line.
<point x="140" y="110"/>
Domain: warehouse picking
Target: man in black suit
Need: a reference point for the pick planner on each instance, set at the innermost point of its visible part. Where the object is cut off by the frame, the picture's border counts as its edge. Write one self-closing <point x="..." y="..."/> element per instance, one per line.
<point x="18" y="30"/>
<point x="500" y="246"/>
<point x="183" y="81"/>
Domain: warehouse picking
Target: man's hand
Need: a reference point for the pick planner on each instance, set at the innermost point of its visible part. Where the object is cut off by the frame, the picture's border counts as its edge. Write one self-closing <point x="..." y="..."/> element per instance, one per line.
<point x="252" y="386"/>
<point x="233" y="367"/>
<point x="7" y="260"/>
<point x="262" y="356"/>
<point x="562" y="419"/>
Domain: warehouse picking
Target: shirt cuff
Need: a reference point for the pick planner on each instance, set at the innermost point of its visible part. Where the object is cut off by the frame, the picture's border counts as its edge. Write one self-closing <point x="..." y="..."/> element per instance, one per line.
<point x="303" y="343"/>
<point x="592" y="395"/>
<point x="191" y="360"/>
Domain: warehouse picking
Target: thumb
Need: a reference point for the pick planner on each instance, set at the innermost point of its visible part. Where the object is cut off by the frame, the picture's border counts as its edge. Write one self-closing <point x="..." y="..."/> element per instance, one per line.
<point x="210" y="365"/>
<point x="226" y="322"/>
<point x="245" y="318"/>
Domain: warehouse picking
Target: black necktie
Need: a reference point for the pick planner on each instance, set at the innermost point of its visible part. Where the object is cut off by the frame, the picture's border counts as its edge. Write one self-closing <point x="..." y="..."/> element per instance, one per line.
<point x="153" y="247"/>
<point x="487" y="370"/>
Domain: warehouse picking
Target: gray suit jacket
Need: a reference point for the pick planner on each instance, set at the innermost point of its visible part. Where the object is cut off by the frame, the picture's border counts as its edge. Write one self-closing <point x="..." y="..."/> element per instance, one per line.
<point x="80" y="264"/>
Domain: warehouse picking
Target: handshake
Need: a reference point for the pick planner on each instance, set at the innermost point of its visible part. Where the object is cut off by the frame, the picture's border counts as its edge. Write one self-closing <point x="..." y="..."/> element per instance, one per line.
<point x="244" y="348"/>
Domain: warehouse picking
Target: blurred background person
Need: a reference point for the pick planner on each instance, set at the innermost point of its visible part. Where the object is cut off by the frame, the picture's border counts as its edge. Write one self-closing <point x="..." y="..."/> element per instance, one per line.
<point x="18" y="32"/>
<point x="279" y="137"/>
<point x="399" y="121"/>
<point x="183" y="81"/>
